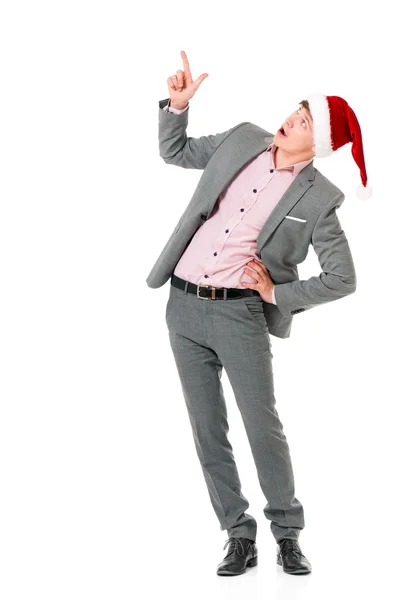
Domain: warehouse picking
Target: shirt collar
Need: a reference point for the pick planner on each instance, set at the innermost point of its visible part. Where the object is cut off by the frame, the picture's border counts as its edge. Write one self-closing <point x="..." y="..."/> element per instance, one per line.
<point x="297" y="167"/>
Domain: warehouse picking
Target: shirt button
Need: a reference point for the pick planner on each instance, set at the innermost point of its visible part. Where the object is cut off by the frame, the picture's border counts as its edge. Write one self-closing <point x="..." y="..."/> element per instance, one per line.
<point x="271" y="170"/>
<point x="206" y="275"/>
<point x="241" y="209"/>
<point x="215" y="254"/>
<point x="254" y="191"/>
<point x="226" y="230"/>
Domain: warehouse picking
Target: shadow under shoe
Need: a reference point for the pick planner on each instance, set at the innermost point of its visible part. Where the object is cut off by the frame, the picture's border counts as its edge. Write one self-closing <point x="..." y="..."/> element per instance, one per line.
<point x="242" y="553"/>
<point x="290" y="557"/>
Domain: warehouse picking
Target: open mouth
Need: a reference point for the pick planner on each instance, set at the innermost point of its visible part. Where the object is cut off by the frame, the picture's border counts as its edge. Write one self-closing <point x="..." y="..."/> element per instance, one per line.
<point x="281" y="131"/>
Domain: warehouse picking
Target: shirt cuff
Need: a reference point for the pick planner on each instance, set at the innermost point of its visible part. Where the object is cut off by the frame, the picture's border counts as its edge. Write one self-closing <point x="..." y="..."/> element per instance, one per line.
<point x="176" y="111"/>
<point x="273" y="297"/>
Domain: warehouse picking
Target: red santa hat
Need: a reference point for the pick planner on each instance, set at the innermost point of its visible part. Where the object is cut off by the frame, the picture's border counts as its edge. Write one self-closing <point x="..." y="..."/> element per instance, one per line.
<point x="335" y="124"/>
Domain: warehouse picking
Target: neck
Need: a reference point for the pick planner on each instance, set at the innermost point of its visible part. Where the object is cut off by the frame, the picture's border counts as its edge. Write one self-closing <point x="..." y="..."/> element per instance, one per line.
<point x="285" y="159"/>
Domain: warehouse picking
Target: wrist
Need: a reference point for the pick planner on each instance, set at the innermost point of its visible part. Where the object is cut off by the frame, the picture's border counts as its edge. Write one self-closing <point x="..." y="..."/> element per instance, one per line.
<point x="179" y="105"/>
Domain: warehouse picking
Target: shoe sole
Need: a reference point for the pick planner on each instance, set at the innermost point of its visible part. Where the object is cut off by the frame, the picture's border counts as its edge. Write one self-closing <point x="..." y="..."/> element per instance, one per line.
<point x="301" y="571"/>
<point x="251" y="563"/>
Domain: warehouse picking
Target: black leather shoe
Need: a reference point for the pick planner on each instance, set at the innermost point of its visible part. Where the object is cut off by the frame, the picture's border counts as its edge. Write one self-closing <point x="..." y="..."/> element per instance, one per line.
<point x="242" y="553"/>
<point x="290" y="557"/>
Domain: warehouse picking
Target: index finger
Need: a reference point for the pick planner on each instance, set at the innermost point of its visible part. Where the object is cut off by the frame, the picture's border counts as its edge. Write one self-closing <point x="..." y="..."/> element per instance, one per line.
<point x="185" y="63"/>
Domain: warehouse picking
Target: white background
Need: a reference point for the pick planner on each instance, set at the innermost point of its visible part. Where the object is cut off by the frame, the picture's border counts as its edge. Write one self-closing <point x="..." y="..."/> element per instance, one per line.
<point x="102" y="495"/>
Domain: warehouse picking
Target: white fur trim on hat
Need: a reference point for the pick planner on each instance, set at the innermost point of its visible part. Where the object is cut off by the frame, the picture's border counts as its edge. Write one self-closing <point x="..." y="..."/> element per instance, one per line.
<point x="318" y="106"/>
<point x="364" y="193"/>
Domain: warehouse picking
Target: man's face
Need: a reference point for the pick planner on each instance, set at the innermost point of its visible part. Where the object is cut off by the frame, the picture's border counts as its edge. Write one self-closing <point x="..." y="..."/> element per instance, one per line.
<point x="298" y="132"/>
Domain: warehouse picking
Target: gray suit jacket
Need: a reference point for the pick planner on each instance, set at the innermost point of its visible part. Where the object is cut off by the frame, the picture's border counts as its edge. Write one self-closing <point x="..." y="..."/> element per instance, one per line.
<point x="282" y="243"/>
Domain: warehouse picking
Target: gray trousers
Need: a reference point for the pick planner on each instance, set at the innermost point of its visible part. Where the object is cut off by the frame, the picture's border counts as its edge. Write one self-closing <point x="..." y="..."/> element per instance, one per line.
<point x="205" y="336"/>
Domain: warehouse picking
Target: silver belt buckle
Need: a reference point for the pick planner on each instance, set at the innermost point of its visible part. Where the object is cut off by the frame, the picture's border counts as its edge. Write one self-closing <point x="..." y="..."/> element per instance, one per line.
<point x="206" y="286"/>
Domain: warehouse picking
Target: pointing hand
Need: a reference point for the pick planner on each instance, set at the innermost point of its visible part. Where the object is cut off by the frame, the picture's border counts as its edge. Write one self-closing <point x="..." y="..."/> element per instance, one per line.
<point x="181" y="86"/>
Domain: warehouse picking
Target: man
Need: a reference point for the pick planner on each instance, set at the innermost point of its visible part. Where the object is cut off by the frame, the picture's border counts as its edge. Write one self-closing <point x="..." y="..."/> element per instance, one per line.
<point x="232" y="259"/>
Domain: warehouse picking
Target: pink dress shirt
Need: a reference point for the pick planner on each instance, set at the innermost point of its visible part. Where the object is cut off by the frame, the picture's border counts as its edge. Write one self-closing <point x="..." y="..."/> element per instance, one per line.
<point x="222" y="246"/>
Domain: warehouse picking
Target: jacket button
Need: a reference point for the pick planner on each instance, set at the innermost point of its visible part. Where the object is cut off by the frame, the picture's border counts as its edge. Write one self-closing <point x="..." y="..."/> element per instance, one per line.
<point x="203" y="217"/>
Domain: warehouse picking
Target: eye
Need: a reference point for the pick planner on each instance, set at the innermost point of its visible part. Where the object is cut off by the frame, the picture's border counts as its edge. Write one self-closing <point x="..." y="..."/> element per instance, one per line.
<point x="304" y="122"/>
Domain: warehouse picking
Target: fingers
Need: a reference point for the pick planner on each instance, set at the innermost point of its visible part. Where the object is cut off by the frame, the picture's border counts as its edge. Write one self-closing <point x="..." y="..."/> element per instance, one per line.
<point x="180" y="79"/>
<point x="251" y="273"/>
<point x="176" y="82"/>
<point x="262" y="265"/>
<point x="200" y="79"/>
<point x="186" y="65"/>
<point x="260" y="268"/>
<point x="173" y="83"/>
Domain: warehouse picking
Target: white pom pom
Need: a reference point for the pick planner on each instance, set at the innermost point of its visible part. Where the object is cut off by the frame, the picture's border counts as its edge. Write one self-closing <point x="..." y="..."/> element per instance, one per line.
<point x="364" y="193"/>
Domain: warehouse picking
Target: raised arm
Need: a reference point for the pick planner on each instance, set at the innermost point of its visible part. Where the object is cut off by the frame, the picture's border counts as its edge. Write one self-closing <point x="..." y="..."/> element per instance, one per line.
<point x="176" y="147"/>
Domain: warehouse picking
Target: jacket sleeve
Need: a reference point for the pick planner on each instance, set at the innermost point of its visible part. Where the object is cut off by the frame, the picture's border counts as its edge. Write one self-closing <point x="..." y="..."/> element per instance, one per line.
<point x="176" y="148"/>
<point x="338" y="276"/>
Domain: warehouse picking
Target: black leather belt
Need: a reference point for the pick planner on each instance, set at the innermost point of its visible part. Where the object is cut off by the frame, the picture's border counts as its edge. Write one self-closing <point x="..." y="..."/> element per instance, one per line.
<point x="208" y="292"/>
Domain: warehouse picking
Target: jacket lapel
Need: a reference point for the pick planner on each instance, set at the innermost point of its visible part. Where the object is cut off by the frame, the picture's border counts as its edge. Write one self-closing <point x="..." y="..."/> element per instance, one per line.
<point x="227" y="167"/>
<point x="229" y="162"/>
<point x="292" y="195"/>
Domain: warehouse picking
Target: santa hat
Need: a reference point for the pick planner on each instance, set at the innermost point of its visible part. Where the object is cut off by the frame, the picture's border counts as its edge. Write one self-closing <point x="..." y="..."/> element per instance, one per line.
<point x="335" y="124"/>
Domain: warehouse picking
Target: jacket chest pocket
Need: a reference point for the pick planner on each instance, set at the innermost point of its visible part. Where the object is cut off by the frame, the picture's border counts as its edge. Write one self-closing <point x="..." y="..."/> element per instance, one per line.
<point x="291" y="223"/>
<point x="290" y="242"/>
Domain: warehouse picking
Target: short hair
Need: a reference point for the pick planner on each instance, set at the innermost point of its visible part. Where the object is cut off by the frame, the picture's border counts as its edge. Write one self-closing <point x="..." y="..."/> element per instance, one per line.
<point x="305" y="104"/>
